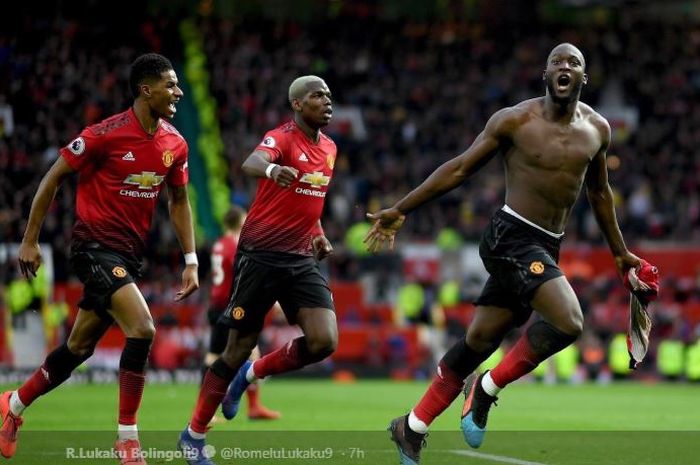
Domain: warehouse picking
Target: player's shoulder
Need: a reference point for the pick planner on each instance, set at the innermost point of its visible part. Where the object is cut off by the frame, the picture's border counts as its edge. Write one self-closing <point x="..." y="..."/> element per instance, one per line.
<point x="288" y="127"/>
<point x="508" y="119"/>
<point x="326" y="139"/>
<point x="597" y="120"/>
<point x="526" y="108"/>
<point x="171" y="131"/>
<point x="111" y="124"/>
<point x="591" y="115"/>
<point x="168" y="128"/>
<point x="276" y="136"/>
<point x="285" y="129"/>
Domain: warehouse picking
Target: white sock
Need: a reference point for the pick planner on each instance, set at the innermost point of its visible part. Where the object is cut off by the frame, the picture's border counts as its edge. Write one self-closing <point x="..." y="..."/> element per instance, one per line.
<point x="194" y="434"/>
<point x="250" y="374"/>
<point x="416" y="424"/>
<point x="127" y="432"/>
<point x="489" y="386"/>
<point x="16" y="405"/>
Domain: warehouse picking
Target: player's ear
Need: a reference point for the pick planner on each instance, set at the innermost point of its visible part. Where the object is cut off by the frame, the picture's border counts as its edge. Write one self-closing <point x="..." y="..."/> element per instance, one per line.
<point x="296" y="104"/>
<point x="145" y="89"/>
<point x="544" y="75"/>
<point x="585" y="78"/>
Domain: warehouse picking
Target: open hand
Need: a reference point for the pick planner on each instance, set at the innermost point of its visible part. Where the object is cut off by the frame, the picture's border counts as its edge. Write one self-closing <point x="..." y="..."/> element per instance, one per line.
<point x="386" y="224"/>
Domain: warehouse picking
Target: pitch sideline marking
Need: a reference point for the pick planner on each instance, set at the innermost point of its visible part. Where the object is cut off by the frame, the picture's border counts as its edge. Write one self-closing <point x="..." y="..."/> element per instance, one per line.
<point x="495" y="458"/>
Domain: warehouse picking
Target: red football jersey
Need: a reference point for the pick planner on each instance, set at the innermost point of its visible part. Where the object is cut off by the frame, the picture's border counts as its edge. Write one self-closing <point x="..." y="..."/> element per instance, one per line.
<point x="222" y="255"/>
<point x="285" y="219"/>
<point x="122" y="170"/>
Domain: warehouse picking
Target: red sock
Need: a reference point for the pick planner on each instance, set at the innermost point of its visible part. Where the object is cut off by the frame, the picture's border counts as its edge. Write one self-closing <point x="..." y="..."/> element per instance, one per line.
<point x="211" y="394"/>
<point x="130" y="394"/>
<point x="445" y="388"/>
<point x="36" y="385"/>
<point x="57" y="367"/>
<point x="253" y="392"/>
<point x="520" y="360"/>
<point x="292" y="356"/>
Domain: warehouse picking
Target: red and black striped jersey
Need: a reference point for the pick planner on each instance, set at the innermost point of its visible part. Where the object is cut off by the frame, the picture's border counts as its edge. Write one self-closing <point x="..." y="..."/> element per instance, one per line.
<point x="122" y="170"/>
<point x="286" y="219"/>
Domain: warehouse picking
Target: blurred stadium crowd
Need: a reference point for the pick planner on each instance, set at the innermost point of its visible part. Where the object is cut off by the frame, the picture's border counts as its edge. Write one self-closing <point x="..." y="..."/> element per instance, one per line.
<point x="424" y="90"/>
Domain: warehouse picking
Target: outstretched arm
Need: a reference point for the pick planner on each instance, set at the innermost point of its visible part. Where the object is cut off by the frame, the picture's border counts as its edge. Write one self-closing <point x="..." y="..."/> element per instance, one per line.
<point x="601" y="199"/>
<point x="445" y="178"/>
<point x="29" y="251"/>
<point x="181" y="218"/>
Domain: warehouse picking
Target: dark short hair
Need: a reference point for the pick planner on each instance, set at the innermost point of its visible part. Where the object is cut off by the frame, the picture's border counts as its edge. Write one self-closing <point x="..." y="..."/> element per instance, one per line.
<point x="233" y="218"/>
<point x="147" y="66"/>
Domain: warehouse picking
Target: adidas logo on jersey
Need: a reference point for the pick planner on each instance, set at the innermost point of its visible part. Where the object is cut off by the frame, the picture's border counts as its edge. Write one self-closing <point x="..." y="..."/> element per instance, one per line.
<point x="303" y="157"/>
<point x="129" y="157"/>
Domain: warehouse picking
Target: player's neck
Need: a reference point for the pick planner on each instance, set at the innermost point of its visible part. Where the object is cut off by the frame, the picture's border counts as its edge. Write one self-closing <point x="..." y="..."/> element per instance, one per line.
<point x="311" y="133"/>
<point x="559" y="110"/>
<point x="148" y="121"/>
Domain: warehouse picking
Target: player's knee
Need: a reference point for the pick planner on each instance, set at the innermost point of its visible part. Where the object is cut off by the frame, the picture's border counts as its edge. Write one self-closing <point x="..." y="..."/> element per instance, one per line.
<point x="234" y="355"/>
<point x="323" y="346"/>
<point x="573" y="326"/>
<point x="481" y="341"/>
<point x="144" y="330"/>
<point x="81" y="349"/>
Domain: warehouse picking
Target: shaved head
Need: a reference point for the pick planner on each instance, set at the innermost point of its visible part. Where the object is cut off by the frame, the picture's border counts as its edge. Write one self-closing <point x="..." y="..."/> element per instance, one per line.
<point x="565" y="73"/>
<point x="300" y="86"/>
<point x="568" y="48"/>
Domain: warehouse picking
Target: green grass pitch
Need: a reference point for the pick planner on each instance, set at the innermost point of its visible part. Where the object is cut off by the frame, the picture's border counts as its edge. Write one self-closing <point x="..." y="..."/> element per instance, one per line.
<point x="330" y="423"/>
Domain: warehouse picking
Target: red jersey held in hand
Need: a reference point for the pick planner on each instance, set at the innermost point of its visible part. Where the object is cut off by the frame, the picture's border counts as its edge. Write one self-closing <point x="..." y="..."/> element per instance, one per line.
<point x="285" y="219"/>
<point x="222" y="255"/>
<point x="122" y="171"/>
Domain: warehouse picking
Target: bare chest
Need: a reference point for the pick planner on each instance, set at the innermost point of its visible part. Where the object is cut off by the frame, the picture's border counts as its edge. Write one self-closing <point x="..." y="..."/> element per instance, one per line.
<point x="556" y="147"/>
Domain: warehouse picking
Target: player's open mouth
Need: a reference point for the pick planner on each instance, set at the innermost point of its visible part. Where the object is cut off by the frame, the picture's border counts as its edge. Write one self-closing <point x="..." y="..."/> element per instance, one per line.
<point x="563" y="81"/>
<point x="171" y="107"/>
<point x="328" y="112"/>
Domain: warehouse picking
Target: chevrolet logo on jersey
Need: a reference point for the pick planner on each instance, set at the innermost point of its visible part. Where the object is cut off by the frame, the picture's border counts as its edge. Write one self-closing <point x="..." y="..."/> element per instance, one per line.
<point x="145" y="180"/>
<point x="317" y="179"/>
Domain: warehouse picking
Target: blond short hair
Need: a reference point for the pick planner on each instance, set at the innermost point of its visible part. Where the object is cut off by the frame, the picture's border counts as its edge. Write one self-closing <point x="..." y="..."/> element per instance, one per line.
<point x="298" y="89"/>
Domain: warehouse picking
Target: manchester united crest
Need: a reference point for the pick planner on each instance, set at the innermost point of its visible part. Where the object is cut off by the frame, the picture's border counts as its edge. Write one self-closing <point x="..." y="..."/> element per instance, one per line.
<point x="119" y="272"/>
<point x="536" y="268"/>
<point x="168" y="158"/>
<point x="330" y="160"/>
<point x="238" y="313"/>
